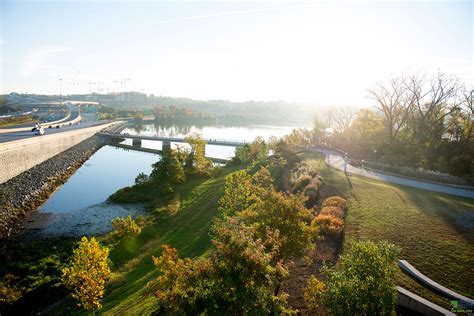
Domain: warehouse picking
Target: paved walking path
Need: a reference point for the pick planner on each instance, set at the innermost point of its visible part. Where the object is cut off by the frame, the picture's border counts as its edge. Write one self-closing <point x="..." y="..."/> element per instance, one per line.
<point x="335" y="160"/>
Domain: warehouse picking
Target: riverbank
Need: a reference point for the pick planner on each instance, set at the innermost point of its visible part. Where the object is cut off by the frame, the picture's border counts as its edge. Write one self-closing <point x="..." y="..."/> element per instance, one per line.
<point x="25" y="192"/>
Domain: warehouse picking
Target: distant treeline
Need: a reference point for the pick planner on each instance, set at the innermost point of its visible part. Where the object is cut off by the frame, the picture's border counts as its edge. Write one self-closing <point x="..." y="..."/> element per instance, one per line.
<point x="280" y="112"/>
<point x="179" y="114"/>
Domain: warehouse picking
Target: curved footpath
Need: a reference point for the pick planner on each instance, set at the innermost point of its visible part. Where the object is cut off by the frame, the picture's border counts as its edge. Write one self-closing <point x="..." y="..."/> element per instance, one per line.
<point x="334" y="159"/>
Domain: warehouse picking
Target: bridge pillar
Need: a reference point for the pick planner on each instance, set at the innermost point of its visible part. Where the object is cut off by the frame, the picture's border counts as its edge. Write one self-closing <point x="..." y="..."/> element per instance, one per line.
<point x="166" y="145"/>
<point x="136" y="142"/>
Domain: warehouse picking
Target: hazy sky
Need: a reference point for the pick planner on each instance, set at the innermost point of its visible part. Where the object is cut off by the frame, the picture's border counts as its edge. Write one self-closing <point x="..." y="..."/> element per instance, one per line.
<point x="325" y="52"/>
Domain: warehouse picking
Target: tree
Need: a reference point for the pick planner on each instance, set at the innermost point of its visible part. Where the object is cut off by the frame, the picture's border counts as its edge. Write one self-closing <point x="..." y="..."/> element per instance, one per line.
<point x="170" y="168"/>
<point x="138" y="116"/>
<point x="362" y="283"/>
<point x="431" y="100"/>
<point x="141" y="178"/>
<point x="393" y="101"/>
<point x="86" y="273"/>
<point x="258" y="149"/>
<point x="243" y="153"/>
<point x="196" y="161"/>
<point x="287" y="214"/>
<point x="239" y="277"/>
<point x="238" y="194"/>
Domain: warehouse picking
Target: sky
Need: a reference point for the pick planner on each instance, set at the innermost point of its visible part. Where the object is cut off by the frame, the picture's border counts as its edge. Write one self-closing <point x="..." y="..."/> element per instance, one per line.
<point x="325" y="52"/>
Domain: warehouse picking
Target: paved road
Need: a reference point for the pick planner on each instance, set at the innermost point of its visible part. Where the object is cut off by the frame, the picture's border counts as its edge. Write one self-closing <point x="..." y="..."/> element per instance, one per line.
<point x="88" y="120"/>
<point x="335" y="160"/>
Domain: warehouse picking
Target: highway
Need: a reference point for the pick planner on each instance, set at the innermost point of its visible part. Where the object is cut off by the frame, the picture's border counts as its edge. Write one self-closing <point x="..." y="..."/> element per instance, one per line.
<point x="88" y="120"/>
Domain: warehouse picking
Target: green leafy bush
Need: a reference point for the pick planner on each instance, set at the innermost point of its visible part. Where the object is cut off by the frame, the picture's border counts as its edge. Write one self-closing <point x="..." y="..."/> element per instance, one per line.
<point x="362" y="283"/>
<point x="125" y="227"/>
<point x="313" y="292"/>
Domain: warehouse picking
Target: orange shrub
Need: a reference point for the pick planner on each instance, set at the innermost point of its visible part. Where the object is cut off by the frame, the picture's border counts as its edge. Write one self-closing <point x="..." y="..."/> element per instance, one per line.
<point x="327" y="225"/>
<point x="333" y="211"/>
<point x="335" y="201"/>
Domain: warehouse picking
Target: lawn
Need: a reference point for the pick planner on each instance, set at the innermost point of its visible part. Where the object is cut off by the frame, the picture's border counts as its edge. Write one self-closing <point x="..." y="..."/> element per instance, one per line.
<point x="188" y="231"/>
<point x="434" y="230"/>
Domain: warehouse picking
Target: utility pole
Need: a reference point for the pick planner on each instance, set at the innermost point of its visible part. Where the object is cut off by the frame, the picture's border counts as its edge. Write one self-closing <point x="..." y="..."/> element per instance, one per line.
<point x="125" y="83"/>
<point x="60" y="90"/>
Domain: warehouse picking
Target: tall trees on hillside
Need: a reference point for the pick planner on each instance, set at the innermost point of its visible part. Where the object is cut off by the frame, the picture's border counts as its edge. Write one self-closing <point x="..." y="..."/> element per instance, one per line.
<point x="418" y="121"/>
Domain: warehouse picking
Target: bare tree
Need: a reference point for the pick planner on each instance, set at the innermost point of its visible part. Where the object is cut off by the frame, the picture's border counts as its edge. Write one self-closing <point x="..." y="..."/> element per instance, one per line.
<point x="394" y="101"/>
<point x="431" y="101"/>
<point x="343" y="118"/>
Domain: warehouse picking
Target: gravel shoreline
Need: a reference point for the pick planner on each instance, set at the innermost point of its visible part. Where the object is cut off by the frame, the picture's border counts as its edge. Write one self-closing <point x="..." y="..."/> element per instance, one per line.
<point x="27" y="191"/>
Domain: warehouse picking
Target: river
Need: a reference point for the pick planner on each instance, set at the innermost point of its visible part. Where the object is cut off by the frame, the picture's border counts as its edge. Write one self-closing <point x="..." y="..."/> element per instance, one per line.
<point x="80" y="206"/>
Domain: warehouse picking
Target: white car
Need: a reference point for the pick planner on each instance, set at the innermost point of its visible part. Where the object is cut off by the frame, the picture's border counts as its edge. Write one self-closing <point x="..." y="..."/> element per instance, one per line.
<point x="39" y="131"/>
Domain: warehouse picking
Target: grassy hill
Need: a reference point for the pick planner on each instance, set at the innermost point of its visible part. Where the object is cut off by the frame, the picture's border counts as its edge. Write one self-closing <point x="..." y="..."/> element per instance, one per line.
<point x="188" y="231"/>
<point x="431" y="228"/>
<point x="434" y="230"/>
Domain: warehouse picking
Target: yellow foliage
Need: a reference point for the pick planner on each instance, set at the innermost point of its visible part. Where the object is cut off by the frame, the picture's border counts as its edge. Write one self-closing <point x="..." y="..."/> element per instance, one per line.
<point x="125" y="226"/>
<point x="327" y="225"/>
<point x="333" y="211"/>
<point x="335" y="201"/>
<point x="86" y="273"/>
<point x="313" y="292"/>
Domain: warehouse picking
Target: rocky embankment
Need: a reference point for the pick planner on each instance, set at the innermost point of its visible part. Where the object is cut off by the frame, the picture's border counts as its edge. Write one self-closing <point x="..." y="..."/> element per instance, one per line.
<point x="27" y="191"/>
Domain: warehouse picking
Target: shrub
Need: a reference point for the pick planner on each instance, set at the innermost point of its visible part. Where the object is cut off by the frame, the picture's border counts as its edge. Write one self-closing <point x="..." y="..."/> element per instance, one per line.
<point x="363" y="281"/>
<point x="333" y="211"/>
<point x="238" y="278"/>
<point x="327" y="225"/>
<point x="87" y="272"/>
<point x="313" y="292"/>
<point x="335" y="201"/>
<point x="141" y="178"/>
<point x="301" y="183"/>
<point x="311" y="191"/>
<point x="125" y="226"/>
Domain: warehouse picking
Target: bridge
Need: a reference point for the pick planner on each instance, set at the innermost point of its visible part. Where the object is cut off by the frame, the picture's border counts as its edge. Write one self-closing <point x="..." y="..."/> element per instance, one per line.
<point x="167" y="140"/>
<point x="157" y="151"/>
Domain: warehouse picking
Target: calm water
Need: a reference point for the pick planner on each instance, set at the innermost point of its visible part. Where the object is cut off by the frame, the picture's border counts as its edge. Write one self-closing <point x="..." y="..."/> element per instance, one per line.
<point x="79" y="206"/>
<point x="108" y="170"/>
<point x="241" y="133"/>
<point x="236" y="133"/>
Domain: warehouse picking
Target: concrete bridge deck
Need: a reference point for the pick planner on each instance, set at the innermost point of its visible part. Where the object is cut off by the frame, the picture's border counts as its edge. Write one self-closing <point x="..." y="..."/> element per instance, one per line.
<point x="157" y="151"/>
<point x="217" y="142"/>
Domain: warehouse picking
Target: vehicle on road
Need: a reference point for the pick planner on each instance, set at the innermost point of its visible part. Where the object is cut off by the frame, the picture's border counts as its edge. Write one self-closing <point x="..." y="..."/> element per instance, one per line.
<point x="39" y="131"/>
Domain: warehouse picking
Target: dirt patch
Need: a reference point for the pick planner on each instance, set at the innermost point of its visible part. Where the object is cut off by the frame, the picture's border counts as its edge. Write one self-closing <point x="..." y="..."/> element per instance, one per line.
<point x="326" y="251"/>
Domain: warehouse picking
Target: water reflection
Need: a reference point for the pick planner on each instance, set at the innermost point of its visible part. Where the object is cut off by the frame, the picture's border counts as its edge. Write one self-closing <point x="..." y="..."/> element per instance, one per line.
<point x="108" y="170"/>
<point x="239" y="133"/>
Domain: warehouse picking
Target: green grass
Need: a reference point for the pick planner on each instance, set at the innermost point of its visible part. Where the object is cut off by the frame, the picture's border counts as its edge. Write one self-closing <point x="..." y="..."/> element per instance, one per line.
<point x="10" y="121"/>
<point x="188" y="231"/>
<point x="428" y="226"/>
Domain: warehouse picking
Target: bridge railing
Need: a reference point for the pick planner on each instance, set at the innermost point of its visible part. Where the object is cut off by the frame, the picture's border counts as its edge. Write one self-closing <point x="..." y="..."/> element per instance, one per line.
<point x="210" y="141"/>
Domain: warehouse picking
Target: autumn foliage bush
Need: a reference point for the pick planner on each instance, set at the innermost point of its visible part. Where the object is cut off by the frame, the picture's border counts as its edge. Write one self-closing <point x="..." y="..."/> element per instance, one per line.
<point x="332" y="211"/>
<point x="336" y="201"/>
<point x="327" y="225"/>
<point x="330" y="220"/>
<point x="125" y="227"/>
<point x="86" y="273"/>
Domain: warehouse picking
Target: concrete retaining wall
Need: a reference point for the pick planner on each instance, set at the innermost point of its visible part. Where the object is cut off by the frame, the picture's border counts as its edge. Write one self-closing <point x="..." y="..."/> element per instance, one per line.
<point x="418" y="304"/>
<point x="19" y="156"/>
